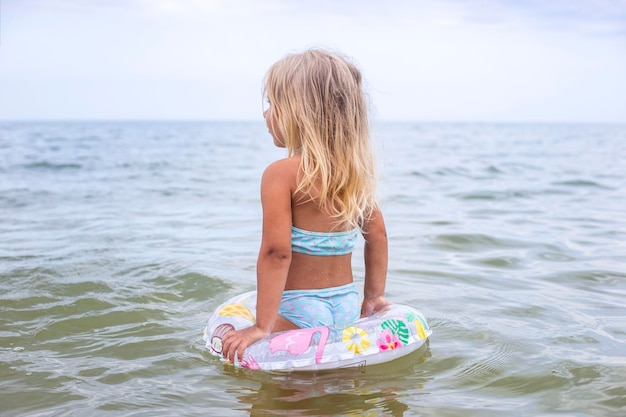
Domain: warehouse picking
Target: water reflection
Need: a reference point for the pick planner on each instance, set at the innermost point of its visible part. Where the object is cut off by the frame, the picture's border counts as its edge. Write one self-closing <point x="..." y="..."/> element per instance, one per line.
<point x="372" y="391"/>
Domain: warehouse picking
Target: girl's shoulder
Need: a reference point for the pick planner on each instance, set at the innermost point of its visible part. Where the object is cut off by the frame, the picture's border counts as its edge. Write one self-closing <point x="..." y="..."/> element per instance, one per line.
<point x="283" y="171"/>
<point x="287" y="166"/>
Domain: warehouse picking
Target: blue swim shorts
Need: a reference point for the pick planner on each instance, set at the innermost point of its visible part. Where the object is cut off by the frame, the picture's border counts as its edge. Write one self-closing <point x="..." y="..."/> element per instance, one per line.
<point x="321" y="307"/>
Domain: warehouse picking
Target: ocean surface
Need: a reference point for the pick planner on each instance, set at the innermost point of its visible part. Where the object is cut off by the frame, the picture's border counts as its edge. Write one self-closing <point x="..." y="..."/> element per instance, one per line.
<point x="117" y="239"/>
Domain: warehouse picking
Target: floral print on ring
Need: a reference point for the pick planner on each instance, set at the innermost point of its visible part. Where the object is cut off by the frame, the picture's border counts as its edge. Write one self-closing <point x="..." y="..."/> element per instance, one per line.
<point x="356" y="339"/>
<point x="388" y="341"/>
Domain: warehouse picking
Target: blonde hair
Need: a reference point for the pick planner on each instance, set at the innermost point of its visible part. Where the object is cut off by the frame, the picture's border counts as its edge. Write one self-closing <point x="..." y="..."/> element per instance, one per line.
<point x="320" y="109"/>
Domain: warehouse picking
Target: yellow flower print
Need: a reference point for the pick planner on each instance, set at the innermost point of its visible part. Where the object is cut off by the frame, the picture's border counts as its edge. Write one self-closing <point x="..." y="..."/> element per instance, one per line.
<point x="356" y="339"/>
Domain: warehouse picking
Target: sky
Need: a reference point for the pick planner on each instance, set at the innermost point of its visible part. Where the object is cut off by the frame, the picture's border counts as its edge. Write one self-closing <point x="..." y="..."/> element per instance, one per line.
<point x="423" y="60"/>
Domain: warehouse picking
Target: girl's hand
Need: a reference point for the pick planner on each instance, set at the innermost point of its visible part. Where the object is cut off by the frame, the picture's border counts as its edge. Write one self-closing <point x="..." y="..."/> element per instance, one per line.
<point x="374" y="305"/>
<point x="238" y="340"/>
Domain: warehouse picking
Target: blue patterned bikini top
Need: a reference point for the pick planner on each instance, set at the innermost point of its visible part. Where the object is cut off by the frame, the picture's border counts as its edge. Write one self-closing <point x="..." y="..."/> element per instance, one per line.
<point x="323" y="243"/>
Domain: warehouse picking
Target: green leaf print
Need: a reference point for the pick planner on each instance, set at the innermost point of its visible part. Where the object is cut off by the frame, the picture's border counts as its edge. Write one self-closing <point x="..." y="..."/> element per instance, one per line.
<point x="397" y="327"/>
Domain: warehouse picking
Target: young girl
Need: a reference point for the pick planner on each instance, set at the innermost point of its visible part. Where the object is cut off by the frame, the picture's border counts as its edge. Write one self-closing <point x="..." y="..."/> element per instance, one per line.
<point x="315" y="202"/>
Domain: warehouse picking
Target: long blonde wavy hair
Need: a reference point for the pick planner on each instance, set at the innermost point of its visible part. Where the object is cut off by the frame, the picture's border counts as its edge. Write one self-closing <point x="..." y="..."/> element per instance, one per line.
<point x="319" y="106"/>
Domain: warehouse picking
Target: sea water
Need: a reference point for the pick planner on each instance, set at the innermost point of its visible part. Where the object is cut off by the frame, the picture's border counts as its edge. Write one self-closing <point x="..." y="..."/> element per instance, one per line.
<point x="117" y="239"/>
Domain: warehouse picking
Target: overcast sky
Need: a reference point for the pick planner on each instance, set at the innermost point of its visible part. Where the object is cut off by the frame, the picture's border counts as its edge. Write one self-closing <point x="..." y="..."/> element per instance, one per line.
<point x="424" y="60"/>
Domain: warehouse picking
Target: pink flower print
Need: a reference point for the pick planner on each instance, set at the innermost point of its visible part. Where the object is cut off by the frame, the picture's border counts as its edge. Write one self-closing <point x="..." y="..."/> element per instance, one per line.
<point x="388" y="341"/>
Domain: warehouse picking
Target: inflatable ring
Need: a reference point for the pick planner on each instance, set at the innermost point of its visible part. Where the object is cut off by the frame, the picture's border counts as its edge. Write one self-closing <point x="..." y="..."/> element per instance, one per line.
<point x="380" y="338"/>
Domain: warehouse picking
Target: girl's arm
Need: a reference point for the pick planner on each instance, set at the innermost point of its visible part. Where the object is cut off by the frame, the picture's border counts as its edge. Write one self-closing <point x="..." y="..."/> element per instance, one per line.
<point x="273" y="261"/>
<point x="375" y="235"/>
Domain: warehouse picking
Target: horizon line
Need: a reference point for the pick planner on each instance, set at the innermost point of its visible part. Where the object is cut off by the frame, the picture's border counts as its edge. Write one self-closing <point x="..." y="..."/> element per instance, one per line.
<point x="233" y="120"/>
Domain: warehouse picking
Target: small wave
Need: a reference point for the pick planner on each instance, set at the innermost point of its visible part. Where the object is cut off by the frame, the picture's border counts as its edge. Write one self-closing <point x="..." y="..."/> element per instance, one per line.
<point x="587" y="278"/>
<point x="582" y="183"/>
<point x="45" y="165"/>
<point x="501" y="262"/>
<point x="474" y="242"/>
<point x="493" y="195"/>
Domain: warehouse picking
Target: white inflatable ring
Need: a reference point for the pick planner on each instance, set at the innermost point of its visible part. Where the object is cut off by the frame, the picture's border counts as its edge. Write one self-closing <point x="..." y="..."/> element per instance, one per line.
<point x="379" y="338"/>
